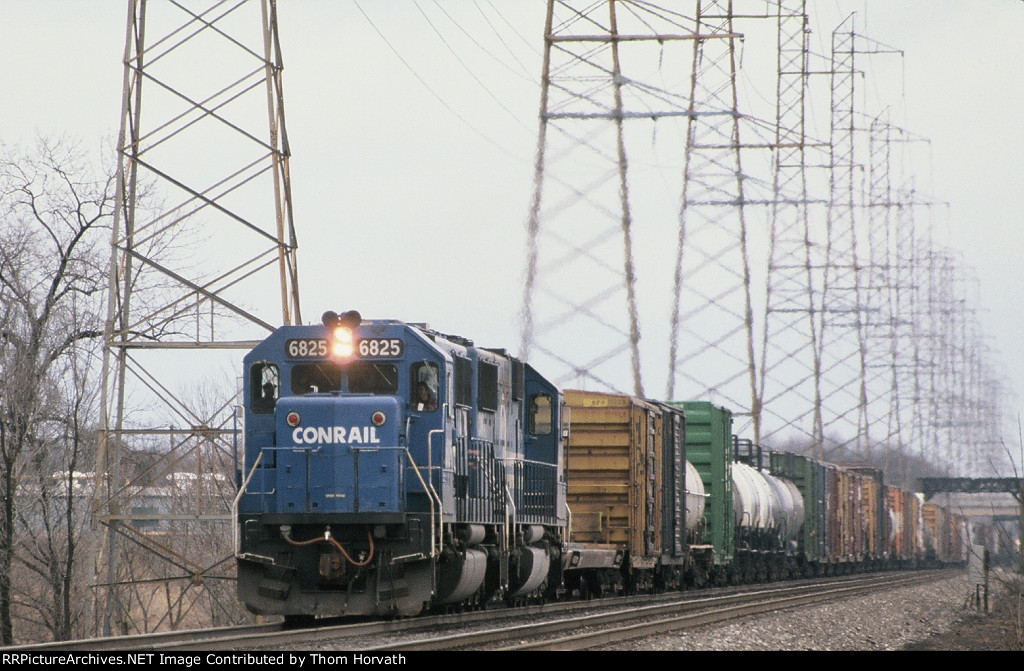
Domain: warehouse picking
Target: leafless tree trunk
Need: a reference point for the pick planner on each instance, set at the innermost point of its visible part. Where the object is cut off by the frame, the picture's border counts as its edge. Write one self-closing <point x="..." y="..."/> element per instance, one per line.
<point x="53" y="516"/>
<point x="54" y="227"/>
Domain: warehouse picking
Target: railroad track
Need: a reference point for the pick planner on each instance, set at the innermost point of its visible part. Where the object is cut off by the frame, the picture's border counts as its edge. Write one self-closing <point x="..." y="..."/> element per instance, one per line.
<point x="571" y="625"/>
<point x="595" y="630"/>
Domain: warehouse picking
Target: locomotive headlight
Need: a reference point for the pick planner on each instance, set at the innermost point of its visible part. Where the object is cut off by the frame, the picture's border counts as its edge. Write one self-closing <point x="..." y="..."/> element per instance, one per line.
<point x="344" y="342"/>
<point x="378" y="418"/>
<point x="293" y="418"/>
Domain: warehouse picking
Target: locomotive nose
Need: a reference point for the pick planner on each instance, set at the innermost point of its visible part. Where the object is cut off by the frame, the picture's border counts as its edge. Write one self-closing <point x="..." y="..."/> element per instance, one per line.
<point x="346" y="451"/>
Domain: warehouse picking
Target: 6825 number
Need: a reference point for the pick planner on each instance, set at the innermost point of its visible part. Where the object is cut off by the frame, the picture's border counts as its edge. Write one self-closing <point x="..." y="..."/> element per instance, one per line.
<point x="381" y="347"/>
<point x="368" y="348"/>
<point x="306" y="348"/>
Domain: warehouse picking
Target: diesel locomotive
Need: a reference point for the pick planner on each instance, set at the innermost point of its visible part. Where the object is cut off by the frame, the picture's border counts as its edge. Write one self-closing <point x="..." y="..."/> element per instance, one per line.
<point x="388" y="469"/>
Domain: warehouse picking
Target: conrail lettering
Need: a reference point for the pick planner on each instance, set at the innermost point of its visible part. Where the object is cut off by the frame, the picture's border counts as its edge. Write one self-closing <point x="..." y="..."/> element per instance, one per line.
<point x="362" y="435"/>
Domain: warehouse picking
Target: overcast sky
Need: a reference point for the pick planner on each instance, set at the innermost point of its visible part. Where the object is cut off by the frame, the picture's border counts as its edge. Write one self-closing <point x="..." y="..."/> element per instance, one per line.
<point x="413" y="127"/>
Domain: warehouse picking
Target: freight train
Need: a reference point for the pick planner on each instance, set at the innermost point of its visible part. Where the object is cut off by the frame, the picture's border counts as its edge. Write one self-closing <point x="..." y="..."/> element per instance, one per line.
<point x="388" y="469"/>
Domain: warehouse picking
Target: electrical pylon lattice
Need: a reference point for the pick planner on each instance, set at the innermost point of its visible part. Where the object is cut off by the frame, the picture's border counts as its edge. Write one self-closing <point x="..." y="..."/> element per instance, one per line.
<point x="788" y="393"/>
<point x="711" y="326"/>
<point x="203" y="265"/>
<point x="617" y="75"/>
<point x="803" y="293"/>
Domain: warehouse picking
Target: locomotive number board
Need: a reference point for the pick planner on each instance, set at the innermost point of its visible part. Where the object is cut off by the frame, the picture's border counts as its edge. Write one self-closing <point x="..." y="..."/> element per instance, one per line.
<point x="306" y="348"/>
<point x="368" y="348"/>
<point x="384" y="348"/>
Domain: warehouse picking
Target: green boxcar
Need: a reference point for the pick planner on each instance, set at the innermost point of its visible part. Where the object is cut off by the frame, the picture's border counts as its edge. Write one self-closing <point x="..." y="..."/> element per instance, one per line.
<point x="709" y="449"/>
<point x="810" y="478"/>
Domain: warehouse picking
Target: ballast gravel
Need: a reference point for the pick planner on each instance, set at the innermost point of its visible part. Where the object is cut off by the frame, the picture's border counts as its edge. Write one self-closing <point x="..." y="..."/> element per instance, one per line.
<point x="888" y="620"/>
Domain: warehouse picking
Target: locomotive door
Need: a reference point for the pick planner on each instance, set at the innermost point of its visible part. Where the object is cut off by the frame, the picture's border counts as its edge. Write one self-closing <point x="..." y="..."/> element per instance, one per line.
<point x="427" y="440"/>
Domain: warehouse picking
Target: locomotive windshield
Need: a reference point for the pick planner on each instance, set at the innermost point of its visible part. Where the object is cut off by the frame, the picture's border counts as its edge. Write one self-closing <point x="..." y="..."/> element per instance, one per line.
<point x="358" y="377"/>
<point x="365" y="377"/>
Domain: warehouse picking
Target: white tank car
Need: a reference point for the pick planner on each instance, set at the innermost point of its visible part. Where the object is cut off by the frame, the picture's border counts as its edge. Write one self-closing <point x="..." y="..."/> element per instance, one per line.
<point x="787" y="506"/>
<point x="751" y="497"/>
<point x="797" y="518"/>
<point x="694" y="497"/>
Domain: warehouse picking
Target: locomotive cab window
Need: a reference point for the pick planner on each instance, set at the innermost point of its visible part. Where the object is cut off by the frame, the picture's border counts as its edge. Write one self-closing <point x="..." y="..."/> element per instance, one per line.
<point x="366" y="377"/>
<point x="541" y="419"/>
<point x="313" y="378"/>
<point x="265" y="387"/>
<point x="423" y="387"/>
<point x="359" y="377"/>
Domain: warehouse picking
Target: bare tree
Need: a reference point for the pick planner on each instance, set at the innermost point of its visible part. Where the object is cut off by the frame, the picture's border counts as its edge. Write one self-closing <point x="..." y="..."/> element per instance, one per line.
<point x="53" y="516"/>
<point x="55" y="209"/>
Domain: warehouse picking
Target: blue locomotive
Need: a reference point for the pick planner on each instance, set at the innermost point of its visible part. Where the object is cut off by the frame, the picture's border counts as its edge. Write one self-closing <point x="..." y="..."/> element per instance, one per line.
<point x="389" y="468"/>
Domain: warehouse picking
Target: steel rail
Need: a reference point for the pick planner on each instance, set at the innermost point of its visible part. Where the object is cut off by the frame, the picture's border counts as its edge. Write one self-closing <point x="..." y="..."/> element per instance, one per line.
<point x="595" y="630"/>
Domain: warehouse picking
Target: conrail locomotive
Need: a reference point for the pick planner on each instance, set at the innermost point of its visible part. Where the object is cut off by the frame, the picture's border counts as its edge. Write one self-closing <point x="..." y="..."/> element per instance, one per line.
<point x="390" y="469"/>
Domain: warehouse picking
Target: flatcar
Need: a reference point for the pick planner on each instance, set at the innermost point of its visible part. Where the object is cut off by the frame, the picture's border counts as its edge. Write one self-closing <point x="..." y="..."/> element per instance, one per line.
<point x="388" y="468"/>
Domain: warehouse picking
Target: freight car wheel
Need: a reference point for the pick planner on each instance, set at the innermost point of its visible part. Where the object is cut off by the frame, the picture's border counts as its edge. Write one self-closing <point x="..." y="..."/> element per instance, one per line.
<point x="592" y="586"/>
<point x="699" y="577"/>
<point x="720" y="577"/>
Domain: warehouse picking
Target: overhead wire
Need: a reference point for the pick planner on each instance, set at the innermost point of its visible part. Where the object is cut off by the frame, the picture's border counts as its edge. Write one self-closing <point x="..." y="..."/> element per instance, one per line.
<point x="530" y="44"/>
<point x="461" y="62"/>
<point x="523" y="74"/>
<point x="490" y="140"/>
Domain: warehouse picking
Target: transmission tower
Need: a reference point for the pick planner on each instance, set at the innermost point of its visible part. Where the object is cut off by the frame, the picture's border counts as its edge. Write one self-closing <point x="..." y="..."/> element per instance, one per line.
<point x="882" y="293"/>
<point x="942" y="314"/>
<point x="790" y="365"/>
<point x="914" y="243"/>
<point x="712" y="327"/>
<point x="203" y="264"/>
<point x="598" y="105"/>
<point x="891" y="277"/>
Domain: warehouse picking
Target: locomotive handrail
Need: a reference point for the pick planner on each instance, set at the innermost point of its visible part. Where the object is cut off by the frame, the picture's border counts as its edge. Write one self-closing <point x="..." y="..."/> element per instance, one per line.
<point x="520" y="460"/>
<point x="535" y="484"/>
<point x="431" y="492"/>
<point x="568" y="523"/>
<point x="432" y="497"/>
<point x="430" y="446"/>
<point x="511" y="525"/>
<point x="237" y="540"/>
